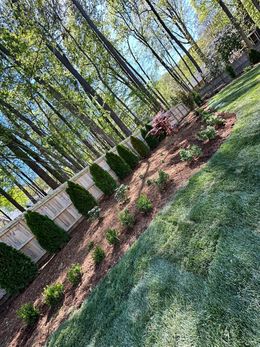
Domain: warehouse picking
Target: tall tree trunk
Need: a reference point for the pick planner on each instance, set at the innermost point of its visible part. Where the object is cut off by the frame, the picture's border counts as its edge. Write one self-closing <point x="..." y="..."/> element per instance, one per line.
<point x="235" y="24"/>
<point x="11" y="200"/>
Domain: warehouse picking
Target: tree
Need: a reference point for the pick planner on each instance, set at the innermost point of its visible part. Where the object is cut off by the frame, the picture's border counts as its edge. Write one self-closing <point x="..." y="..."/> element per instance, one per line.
<point x="128" y="156"/>
<point x="103" y="180"/>
<point x="118" y="165"/>
<point x="140" y="147"/>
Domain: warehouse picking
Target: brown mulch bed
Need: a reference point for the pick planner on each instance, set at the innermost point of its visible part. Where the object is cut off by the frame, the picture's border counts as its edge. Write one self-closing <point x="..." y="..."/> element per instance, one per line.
<point x="165" y="157"/>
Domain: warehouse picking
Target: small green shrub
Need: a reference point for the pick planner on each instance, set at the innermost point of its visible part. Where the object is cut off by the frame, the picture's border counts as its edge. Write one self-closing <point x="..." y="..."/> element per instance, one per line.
<point x="127" y="219"/>
<point x="81" y="198"/>
<point x="149" y="182"/>
<point x="247" y="68"/>
<point x="53" y="293"/>
<point x="162" y="180"/>
<point x="28" y="313"/>
<point x="254" y="56"/>
<point x="151" y="140"/>
<point x="16" y="269"/>
<point x="207" y="134"/>
<point x="214" y="120"/>
<point x="98" y="255"/>
<point x="144" y="204"/>
<point x="49" y="235"/>
<point x="94" y="213"/>
<point x="112" y="237"/>
<point x="121" y="193"/>
<point x="197" y="98"/>
<point x="128" y="156"/>
<point x="230" y="71"/>
<point x="141" y="148"/>
<point x="74" y="274"/>
<point x="90" y="246"/>
<point x="191" y="153"/>
<point x="118" y="165"/>
<point x="186" y="98"/>
<point x="103" y="180"/>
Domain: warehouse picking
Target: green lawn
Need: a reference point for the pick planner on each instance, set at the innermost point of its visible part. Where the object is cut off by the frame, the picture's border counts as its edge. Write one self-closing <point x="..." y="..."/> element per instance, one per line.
<point x="192" y="279"/>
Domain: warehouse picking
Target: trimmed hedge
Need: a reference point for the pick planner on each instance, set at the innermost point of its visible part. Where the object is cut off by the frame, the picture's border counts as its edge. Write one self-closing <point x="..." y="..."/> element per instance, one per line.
<point x="16" y="269"/>
<point x="141" y="148"/>
<point x="118" y="165"/>
<point x="151" y="140"/>
<point x="81" y="198"/>
<point x="102" y="179"/>
<point x="254" y="56"/>
<point x="128" y="156"/>
<point x="50" y="236"/>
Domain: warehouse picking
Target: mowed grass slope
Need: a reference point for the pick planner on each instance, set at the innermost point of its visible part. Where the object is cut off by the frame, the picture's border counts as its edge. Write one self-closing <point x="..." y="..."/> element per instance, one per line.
<point x="192" y="279"/>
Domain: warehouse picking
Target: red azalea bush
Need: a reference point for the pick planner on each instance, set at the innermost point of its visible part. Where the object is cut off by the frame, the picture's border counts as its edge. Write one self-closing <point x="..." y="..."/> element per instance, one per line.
<point x="162" y="125"/>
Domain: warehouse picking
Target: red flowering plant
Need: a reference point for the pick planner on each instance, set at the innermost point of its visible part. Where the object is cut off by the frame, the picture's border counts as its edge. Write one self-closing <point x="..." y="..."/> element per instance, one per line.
<point x="162" y="124"/>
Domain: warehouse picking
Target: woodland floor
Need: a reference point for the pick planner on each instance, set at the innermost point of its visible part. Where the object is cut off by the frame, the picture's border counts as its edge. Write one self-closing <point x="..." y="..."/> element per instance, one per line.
<point x="165" y="157"/>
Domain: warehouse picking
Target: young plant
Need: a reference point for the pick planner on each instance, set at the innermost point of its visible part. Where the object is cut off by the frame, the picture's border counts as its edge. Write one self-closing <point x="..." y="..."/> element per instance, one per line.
<point x="118" y="165"/>
<point x="121" y="193"/>
<point x="28" y="313"/>
<point x="53" y="294"/>
<point x="128" y="156"/>
<point x="162" y="180"/>
<point x="94" y="213"/>
<point x="103" y="180"/>
<point x="191" y="153"/>
<point x="90" y="245"/>
<point x="161" y="126"/>
<point x="74" y="274"/>
<point x="112" y="237"/>
<point x="98" y="255"/>
<point x="149" y="182"/>
<point x="207" y="134"/>
<point x="144" y="204"/>
<point x="214" y="120"/>
<point x="127" y="219"/>
<point x="141" y="148"/>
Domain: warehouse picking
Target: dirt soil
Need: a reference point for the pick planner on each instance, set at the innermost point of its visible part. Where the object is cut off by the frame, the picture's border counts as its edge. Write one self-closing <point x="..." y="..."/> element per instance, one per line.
<point x="166" y="157"/>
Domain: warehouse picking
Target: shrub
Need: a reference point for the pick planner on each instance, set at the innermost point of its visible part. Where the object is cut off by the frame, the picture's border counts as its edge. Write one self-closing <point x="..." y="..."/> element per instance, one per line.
<point x="207" y="134"/>
<point x="149" y="182"/>
<point x="186" y="98"/>
<point x="162" y="180"/>
<point x="102" y="179"/>
<point x="81" y="198"/>
<point x="16" y="269"/>
<point x="90" y="245"/>
<point x="140" y="147"/>
<point x="191" y="153"/>
<point x="150" y="139"/>
<point x="144" y="204"/>
<point x="127" y="219"/>
<point x="49" y="235"/>
<point x="197" y="98"/>
<point x="112" y="237"/>
<point x="214" y="120"/>
<point x="98" y="255"/>
<point x="74" y="274"/>
<point x="230" y="71"/>
<point x="28" y="313"/>
<point x="53" y="294"/>
<point x="128" y="156"/>
<point x="121" y="193"/>
<point x="94" y="213"/>
<point x="162" y="126"/>
<point x="118" y="165"/>
<point x="254" y="56"/>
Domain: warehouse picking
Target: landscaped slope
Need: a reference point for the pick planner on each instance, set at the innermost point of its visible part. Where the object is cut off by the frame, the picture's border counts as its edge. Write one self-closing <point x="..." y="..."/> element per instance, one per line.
<point x="191" y="279"/>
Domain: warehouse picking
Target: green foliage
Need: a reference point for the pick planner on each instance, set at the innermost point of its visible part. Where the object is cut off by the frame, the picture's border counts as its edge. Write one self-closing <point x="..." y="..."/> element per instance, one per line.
<point x="121" y="193"/>
<point x="94" y="213"/>
<point x="28" y="313"/>
<point x="128" y="156"/>
<point x="16" y="269"/>
<point x="149" y="182"/>
<point x="151" y="140"/>
<point x="144" y="204"/>
<point x="53" y="294"/>
<point x="186" y="99"/>
<point x="90" y="245"/>
<point x="103" y="180"/>
<point x="98" y="255"/>
<point x="127" y="219"/>
<point x="49" y="235"/>
<point x="74" y="274"/>
<point x="214" y="120"/>
<point x="81" y="198"/>
<point x="162" y="180"/>
<point x="230" y="71"/>
<point x="118" y="165"/>
<point x="112" y="237"/>
<point x="197" y="98"/>
<point x="190" y="153"/>
<point x="207" y="134"/>
<point x="140" y="147"/>
<point x="254" y="56"/>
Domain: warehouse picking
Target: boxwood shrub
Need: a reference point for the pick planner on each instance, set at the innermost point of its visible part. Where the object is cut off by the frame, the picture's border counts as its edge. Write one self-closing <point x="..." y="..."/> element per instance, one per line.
<point x="16" y="269"/>
<point x="118" y="165"/>
<point x="103" y="180"/>
<point x="81" y="198"/>
<point x="141" y="148"/>
<point x="151" y="140"/>
<point x="50" y="236"/>
<point x="128" y="156"/>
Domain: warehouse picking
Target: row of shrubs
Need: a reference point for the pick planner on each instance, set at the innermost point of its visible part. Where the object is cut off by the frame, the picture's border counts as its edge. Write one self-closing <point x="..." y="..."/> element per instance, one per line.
<point x="49" y="235"/>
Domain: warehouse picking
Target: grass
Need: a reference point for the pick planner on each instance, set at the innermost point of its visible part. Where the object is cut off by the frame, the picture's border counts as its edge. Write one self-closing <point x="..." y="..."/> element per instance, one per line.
<point x="192" y="278"/>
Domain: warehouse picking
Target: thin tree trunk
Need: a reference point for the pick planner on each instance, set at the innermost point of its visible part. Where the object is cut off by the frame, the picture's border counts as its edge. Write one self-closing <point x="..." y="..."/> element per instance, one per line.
<point x="5" y="214"/>
<point x="11" y="200"/>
